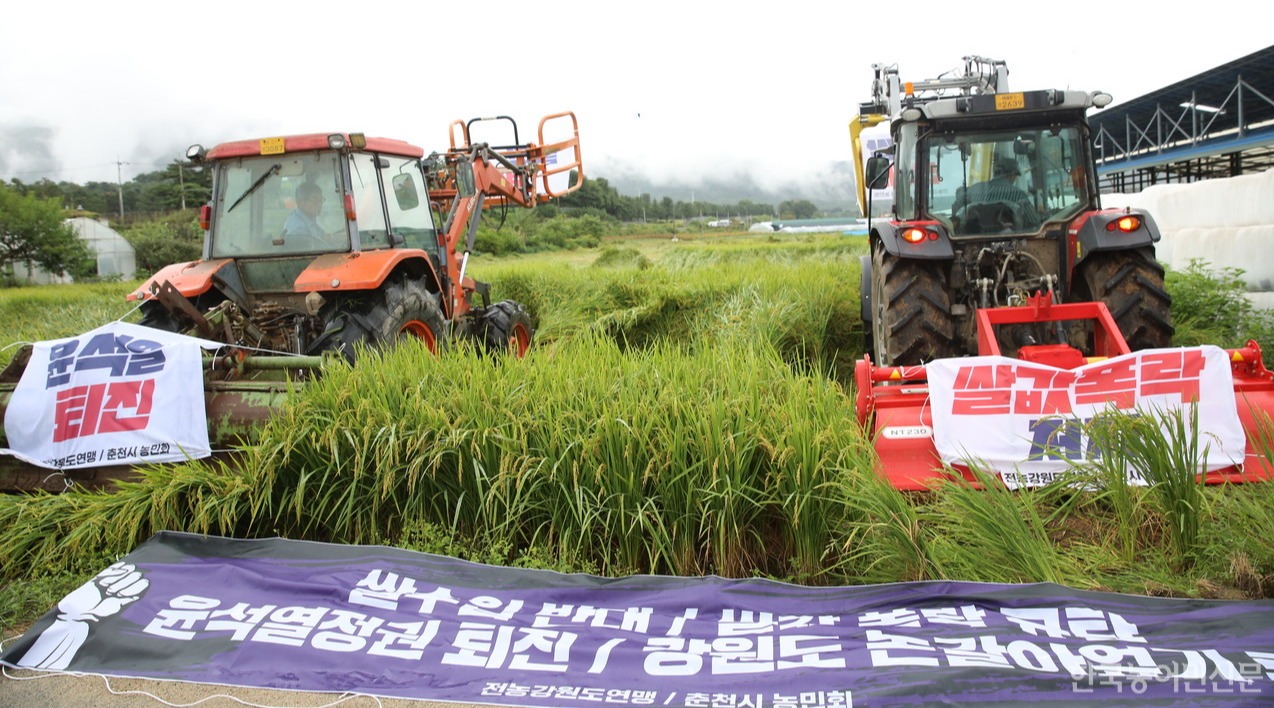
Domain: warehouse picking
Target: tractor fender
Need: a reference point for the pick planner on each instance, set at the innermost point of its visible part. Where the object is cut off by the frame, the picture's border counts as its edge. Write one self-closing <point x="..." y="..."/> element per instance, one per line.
<point x="191" y="279"/>
<point x="1097" y="231"/>
<point x="937" y="247"/>
<point x="362" y="270"/>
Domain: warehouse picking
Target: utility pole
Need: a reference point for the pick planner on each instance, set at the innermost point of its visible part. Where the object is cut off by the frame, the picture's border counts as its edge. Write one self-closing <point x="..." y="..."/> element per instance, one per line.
<point x="119" y="181"/>
<point x="181" y="184"/>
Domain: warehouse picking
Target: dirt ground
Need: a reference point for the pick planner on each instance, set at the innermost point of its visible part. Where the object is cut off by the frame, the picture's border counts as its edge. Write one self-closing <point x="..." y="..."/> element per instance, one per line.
<point x="26" y="689"/>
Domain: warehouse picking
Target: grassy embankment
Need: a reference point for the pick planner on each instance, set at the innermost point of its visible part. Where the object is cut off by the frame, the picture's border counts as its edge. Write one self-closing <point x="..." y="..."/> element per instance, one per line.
<point x="686" y="410"/>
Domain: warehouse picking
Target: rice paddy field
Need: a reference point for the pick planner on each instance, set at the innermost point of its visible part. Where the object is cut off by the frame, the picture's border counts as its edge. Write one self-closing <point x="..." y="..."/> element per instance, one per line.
<point x="687" y="409"/>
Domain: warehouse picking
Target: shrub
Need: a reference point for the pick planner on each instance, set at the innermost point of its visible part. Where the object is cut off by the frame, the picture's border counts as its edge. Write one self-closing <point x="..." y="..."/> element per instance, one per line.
<point x="1210" y="306"/>
<point x="497" y="243"/>
<point x="172" y="238"/>
<point x="559" y="233"/>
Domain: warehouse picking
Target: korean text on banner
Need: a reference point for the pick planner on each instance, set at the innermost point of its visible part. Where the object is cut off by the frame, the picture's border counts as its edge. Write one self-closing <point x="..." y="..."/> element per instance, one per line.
<point x="1015" y="416"/>
<point x="120" y="394"/>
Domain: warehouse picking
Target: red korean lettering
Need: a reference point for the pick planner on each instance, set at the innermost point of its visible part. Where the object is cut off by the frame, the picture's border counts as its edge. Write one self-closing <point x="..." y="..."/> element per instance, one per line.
<point x="76" y="411"/>
<point x="127" y="397"/>
<point x="1172" y="372"/>
<point x="1042" y="402"/>
<point x="1041" y="379"/>
<point x="116" y="407"/>
<point x="1113" y="382"/>
<point x="983" y="390"/>
<point x="989" y="402"/>
<point x="985" y="377"/>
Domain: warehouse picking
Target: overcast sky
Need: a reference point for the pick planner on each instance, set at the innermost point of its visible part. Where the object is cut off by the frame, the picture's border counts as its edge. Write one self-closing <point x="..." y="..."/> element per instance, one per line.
<point x="672" y="90"/>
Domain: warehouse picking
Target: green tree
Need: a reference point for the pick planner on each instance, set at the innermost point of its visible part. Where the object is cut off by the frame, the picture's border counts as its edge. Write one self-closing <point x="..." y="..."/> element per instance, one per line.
<point x="799" y="208"/>
<point x="174" y="237"/>
<point x="33" y="231"/>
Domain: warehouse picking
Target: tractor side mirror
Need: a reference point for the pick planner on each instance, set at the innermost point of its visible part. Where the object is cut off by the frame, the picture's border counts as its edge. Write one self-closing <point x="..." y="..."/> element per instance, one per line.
<point x="405" y="192"/>
<point x="877" y="172"/>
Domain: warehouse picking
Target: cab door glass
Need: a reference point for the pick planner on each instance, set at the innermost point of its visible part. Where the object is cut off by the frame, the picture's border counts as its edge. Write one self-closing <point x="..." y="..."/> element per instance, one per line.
<point x="410" y="218"/>
<point x="373" y="231"/>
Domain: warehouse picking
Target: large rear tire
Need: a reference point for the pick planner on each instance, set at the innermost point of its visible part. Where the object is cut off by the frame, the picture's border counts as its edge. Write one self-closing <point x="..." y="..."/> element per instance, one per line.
<point x="911" y="315"/>
<point x="402" y="309"/>
<point x="406" y="310"/>
<point x="506" y="327"/>
<point x="1131" y="284"/>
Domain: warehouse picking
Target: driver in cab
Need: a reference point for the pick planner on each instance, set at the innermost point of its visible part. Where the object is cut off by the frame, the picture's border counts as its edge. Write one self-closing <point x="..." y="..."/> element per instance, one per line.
<point x="303" y="223"/>
<point x="1002" y="188"/>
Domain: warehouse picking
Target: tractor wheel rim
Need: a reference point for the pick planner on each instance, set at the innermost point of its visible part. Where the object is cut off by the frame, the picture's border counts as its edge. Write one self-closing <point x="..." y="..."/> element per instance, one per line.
<point x="421" y="331"/>
<point x="519" y="341"/>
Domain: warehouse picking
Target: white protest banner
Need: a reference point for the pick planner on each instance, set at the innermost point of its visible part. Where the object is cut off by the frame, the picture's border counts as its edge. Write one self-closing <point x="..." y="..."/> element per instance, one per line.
<point x="120" y="394"/>
<point x="1026" y="420"/>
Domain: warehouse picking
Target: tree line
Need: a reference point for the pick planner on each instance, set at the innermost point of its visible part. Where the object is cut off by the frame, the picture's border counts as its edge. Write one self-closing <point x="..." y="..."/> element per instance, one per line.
<point x="181" y="186"/>
<point x="154" y="211"/>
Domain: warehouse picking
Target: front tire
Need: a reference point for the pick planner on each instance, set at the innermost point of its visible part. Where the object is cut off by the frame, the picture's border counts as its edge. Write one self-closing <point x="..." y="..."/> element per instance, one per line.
<point x="911" y="316"/>
<point x="506" y="327"/>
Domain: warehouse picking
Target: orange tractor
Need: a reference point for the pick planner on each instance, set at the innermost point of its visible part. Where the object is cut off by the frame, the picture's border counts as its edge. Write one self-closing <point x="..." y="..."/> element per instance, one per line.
<point x="319" y="244"/>
<point x="995" y="244"/>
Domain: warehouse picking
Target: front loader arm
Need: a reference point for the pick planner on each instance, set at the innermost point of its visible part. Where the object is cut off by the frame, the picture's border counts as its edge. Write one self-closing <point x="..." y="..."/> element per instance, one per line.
<point x="472" y="177"/>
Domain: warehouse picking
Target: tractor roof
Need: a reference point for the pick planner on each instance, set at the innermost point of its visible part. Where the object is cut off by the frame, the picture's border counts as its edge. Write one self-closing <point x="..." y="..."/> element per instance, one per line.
<point x="311" y="141"/>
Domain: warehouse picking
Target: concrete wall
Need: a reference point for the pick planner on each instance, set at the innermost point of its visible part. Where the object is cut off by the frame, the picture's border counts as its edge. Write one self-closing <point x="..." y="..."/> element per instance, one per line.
<point x="1229" y="223"/>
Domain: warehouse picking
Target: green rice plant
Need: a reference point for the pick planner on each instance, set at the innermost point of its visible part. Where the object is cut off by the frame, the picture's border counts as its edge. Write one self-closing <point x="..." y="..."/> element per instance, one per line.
<point x="680" y="414"/>
<point x="617" y="257"/>
<point x="1239" y="533"/>
<point x="1210" y="306"/>
<point x="985" y="531"/>
<point x="1102" y="489"/>
<point x="887" y="537"/>
<point x="1238" y="538"/>
<point x="1163" y="448"/>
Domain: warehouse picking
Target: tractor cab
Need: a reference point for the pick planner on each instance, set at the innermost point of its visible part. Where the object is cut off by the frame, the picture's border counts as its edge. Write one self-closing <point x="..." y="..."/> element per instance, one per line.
<point x="291" y="200"/>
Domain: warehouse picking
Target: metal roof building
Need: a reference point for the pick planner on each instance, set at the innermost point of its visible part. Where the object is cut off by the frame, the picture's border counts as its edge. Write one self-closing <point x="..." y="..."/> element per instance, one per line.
<point x="1219" y="123"/>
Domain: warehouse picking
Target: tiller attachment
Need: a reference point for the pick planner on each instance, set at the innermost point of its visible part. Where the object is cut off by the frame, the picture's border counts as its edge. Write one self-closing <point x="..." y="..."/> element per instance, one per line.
<point x="896" y="405"/>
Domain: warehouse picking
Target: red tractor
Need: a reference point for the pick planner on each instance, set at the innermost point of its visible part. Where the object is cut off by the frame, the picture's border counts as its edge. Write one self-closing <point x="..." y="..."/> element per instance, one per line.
<point x="320" y="242"/>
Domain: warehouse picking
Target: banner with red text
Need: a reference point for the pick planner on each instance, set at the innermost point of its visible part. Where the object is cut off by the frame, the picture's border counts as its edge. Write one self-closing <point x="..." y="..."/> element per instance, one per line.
<point x="1012" y="416"/>
<point x="120" y="394"/>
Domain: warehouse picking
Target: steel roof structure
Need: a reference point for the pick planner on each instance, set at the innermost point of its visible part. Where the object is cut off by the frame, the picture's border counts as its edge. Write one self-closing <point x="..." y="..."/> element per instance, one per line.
<point x="1219" y="123"/>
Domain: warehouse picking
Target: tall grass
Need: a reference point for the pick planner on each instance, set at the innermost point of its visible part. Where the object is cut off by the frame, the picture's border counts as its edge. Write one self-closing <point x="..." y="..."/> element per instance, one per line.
<point x="1164" y="449"/>
<point x="988" y="532"/>
<point x="684" y="411"/>
<point x="709" y="461"/>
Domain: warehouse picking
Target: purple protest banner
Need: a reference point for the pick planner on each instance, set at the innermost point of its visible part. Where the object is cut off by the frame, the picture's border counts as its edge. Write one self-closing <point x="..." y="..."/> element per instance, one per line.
<point x="299" y="615"/>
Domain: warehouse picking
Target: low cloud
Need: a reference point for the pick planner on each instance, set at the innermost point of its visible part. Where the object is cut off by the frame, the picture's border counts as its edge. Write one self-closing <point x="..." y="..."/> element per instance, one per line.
<point x="26" y="153"/>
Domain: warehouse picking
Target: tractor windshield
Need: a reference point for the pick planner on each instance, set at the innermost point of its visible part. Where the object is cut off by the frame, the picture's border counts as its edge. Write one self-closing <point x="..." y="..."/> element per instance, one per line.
<point x="279" y="205"/>
<point x="1004" y="181"/>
